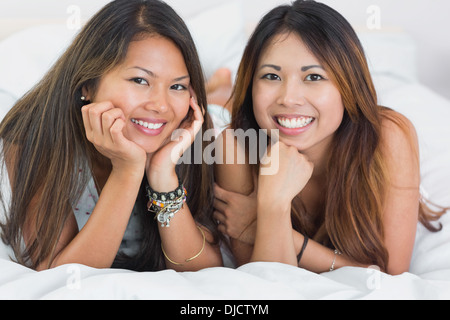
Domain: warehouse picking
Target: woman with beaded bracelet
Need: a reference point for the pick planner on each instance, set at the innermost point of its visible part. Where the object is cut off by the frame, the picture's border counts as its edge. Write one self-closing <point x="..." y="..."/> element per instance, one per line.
<point x="89" y="151"/>
<point x="344" y="189"/>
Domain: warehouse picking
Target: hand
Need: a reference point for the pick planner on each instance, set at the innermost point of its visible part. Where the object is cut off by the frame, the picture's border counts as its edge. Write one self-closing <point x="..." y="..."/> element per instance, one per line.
<point x="161" y="165"/>
<point x="236" y="214"/>
<point x="104" y="125"/>
<point x="294" y="172"/>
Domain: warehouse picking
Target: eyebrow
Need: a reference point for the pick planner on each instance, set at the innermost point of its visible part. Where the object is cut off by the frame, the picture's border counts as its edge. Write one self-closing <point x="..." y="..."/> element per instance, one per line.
<point x="306" y="68"/>
<point x="151" y="74"/>
<point x="278" y="68"/>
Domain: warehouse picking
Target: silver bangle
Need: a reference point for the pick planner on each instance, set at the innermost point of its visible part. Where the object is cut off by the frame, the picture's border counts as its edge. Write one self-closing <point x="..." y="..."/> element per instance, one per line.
<point x="336" y="253"/>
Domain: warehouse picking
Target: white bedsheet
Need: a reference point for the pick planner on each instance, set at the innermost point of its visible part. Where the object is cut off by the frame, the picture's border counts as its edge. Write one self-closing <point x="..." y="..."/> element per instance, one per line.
<point x="255" y="281"/>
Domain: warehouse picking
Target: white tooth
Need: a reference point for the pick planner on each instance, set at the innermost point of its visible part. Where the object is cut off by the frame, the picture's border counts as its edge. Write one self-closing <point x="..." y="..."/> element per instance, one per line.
<point x="152" y="126"/>
<point x="295" y="123"/>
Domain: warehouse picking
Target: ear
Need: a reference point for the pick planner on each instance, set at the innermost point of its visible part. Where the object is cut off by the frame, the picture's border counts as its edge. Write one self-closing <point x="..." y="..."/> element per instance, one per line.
<point x="86" y="93"/>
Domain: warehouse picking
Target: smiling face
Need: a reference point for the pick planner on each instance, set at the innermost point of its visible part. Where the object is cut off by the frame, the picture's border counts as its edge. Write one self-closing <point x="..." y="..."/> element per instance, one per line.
<point x="151" y="87"/>
<point x="292" y="92"/>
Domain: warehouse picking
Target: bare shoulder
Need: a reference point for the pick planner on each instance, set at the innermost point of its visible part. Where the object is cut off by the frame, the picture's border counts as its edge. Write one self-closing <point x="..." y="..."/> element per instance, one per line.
<point x="396" y="123"/>
<point x="400" y="148"/>
<point x="398" y="133"/>
<point x="232" y="169"/>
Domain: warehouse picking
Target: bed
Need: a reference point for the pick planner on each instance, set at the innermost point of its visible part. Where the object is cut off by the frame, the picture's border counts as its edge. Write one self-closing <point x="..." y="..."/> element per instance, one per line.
<point x="26" y="55"/>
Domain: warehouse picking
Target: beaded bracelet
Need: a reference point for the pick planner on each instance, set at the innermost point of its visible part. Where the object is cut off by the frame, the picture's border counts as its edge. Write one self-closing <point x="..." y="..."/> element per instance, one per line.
<point x="166" y="204"/>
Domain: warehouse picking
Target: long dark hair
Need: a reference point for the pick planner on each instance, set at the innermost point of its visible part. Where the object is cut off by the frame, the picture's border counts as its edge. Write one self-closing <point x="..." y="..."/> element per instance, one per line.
<point x="357" y="177"/>
<point x="44" y="133"/>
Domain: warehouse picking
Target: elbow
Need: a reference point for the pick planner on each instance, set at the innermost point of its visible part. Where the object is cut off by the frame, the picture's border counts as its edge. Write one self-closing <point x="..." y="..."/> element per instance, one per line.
<point x="396" y="269"/>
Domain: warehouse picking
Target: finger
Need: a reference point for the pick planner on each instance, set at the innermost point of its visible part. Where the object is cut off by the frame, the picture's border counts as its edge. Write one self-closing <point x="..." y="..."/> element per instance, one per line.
<point x="115" y="132"/>
<point x="180" y="141"/>
<point x="187" y="131"/>
<point x="219" y="217"/>
<point x="109" y="117"/>
<point x="192" y="93"/>
<point x="95" y="112"/>
<point x="193" y="125"/>
<point x="220" y="193"/>
<point x="219" y="205"/>
<point x="86" y="121"/>
<point x="255" y="185"/>
<point x="222" y="229"/>
<point x="198" y="113"/>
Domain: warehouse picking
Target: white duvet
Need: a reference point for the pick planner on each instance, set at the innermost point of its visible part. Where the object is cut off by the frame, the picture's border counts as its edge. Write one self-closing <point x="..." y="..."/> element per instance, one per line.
<point x="429" y="276"/>
<point x="255" y="281"/>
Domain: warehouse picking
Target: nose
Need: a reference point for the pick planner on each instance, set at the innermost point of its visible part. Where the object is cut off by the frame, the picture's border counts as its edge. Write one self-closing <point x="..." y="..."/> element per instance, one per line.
<point x="292" y="94"/>
<point x="157" y="100"/>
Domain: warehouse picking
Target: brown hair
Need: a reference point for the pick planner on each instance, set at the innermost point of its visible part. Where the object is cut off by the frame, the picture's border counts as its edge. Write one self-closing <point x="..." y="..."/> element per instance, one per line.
<point x="44" y="133"/>
<point x="356" y="170"/>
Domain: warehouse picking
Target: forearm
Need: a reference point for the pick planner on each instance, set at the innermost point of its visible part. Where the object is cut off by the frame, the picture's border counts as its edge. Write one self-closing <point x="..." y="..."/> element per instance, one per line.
<point x="97" y="244"/>
<point x="274" y="240"/>
<point x="242" y="251"/>
<point x="187" y="246"/>
<point x="318" y="258"/>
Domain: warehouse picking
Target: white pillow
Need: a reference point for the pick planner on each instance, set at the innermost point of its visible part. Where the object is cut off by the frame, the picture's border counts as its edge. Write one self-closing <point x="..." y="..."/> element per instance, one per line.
<point x="392" y="54"/>
<point x="6" y="102"/>
<point x="219" y="34"/>
<point x="26" y="56"/>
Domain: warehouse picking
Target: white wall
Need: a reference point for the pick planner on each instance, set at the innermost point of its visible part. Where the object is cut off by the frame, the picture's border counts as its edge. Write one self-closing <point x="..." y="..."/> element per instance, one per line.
<point x="427" y="21"/>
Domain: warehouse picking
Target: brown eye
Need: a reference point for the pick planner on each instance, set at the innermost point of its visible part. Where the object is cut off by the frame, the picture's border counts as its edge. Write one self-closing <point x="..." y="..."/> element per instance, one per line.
<point x="140" y="81"/>
<point x="314" y="77"/>
<point x="178" y="87"/>
<point x="271" y="77"/>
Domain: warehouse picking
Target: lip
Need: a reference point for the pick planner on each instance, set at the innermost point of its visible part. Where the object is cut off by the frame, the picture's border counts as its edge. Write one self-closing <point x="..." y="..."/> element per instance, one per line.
<point x="293" y="131"/>
<point x="149" y="131"/>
